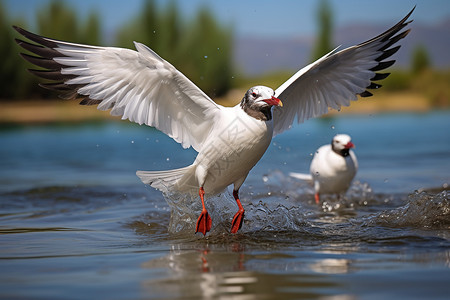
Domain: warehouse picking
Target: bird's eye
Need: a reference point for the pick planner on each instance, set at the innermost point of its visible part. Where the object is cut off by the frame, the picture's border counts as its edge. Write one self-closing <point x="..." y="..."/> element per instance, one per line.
<point x="254" y="95"/>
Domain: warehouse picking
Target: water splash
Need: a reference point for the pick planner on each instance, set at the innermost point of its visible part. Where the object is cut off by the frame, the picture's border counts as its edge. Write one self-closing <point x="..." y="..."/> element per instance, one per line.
<point x="422" y="210"/>
<point x="259" y="216"/>
<point x="286" y="204"/>
<point x="274" y="217"/>
<point x="186" y="207"/>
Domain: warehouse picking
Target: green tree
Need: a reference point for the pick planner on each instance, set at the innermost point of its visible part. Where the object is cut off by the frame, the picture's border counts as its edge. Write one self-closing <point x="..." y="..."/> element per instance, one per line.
<point x="209" y="51"/>
<point x="144" y="28"/>
<point x="58" y="21"/>
<point x="170" y="33"/>
<point x="420" y="60"/>
<point x="54" y="20"/>
<point x="90" y="31"/>
<point x="323" y="43"/>
<point x="200" y="48"/>
<point x="15" y="81"/>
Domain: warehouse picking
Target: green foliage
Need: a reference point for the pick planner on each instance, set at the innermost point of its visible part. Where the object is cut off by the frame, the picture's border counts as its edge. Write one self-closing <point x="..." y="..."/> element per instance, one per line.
<point x="15" y="81"/>
<point x="209" y="49"/>
<point x="90" y="31"/>
<point x="420" y="60"/>
<point x="325" y="23"/>
<point x="200" y="48"/>
<point x="433" y="84"/>
<point x="57" y="21"/>
<point x="272" y="79"/>
<point x="398" y="80"/>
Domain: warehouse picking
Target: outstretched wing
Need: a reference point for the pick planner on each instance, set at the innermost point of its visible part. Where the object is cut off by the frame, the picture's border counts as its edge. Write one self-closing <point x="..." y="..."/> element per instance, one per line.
<point x="336" y="78"/>
<point x="137" y="85"/>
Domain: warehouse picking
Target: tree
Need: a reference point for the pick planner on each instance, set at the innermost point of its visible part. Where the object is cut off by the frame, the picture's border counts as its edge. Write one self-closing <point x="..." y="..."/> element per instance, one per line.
<point x="58" y="21"/>
<point x="420" y="60"/>
<point x="54" y="20"/>
<point x="15" y="81"/>
<point x="143" y="29"/>
<point x="90" y="31"/>
<point x="200" y="48"/>
<point x="209" y="48"/>
<point x="325" y="22"/>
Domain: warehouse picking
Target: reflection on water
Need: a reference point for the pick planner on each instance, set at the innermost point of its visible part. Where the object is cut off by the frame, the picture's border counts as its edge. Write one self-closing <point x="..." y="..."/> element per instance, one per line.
<point x="118" y="237"/>
<point x="288" y="252"/>
<point x="237" y="272"/>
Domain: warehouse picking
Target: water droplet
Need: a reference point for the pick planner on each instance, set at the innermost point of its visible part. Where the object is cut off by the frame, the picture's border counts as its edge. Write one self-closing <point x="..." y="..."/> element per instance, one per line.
<point x="218" y="49"/>
<point x="167" y="159"/>
<point x="265" y="178"/>
<point x="132" y="142"/>
<point x="332" y="127"/>
<point x="206" y="56"/>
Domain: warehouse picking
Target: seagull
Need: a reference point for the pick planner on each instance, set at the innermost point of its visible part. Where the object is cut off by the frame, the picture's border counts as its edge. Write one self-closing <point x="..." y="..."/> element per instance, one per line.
<point x="146" y="89"/>
<point x="333" y="167"/>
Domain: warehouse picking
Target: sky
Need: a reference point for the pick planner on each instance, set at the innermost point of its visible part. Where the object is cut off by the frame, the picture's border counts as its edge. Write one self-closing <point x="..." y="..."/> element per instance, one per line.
<point x="258" y="18"/>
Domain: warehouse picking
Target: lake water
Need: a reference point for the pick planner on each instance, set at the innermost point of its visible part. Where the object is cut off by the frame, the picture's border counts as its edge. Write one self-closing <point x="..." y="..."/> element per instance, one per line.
<point x="76" y="223"/>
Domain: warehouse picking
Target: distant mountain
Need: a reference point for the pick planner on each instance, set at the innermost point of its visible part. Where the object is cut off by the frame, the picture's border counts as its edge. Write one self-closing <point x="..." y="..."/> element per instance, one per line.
<point x="261" y="55"/>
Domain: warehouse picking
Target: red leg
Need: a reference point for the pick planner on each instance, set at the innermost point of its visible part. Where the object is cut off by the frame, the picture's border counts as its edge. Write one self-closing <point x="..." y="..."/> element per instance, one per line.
<point x="317" y="198"/>
<point x="236" y="224"/>
<point x="204" y="220"/>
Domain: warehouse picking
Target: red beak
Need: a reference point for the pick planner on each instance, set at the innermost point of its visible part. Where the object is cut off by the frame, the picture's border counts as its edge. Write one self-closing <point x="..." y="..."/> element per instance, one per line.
<point x="273" y="101"/>
<point x="349" y="145"/>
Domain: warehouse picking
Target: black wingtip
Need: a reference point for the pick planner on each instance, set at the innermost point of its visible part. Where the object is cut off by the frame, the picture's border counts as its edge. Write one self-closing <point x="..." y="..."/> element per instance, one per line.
<point x="35" y="37"/>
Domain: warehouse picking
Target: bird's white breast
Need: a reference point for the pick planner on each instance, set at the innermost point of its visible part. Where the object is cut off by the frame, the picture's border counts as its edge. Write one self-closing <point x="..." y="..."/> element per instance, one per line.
<point x="236" y="144"/>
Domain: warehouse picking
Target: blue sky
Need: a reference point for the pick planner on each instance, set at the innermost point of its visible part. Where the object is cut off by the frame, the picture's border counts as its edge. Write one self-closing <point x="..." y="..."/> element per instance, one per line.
<point x="280" y="18"/>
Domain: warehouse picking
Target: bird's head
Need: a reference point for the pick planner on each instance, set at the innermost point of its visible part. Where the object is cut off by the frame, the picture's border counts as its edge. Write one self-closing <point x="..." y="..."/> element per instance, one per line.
<point x="341" y="144"/>
<point x="258" y="101"/>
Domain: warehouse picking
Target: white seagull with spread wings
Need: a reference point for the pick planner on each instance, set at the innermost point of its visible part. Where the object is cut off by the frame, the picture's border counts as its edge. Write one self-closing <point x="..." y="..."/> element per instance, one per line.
<point x="144" y="88"/>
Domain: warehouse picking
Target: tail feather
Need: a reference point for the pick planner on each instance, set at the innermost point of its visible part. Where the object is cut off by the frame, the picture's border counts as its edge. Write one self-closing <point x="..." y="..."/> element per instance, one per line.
<point x="301" y="176"/>
<point x="180" y="179"/>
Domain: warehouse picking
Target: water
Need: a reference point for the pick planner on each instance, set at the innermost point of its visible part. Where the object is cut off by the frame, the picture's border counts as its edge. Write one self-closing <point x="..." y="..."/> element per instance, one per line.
<point x="75" y="222"/>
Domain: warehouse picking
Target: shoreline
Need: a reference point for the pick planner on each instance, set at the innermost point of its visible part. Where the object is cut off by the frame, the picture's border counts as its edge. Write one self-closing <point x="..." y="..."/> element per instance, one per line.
<point x="67" y="111"/>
